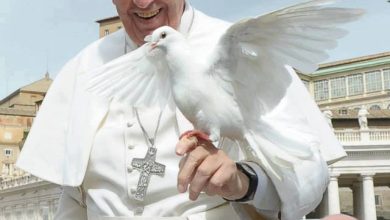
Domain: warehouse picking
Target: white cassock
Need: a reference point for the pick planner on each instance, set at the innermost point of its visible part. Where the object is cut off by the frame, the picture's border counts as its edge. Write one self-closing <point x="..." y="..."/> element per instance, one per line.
<point x="80" y="139"/>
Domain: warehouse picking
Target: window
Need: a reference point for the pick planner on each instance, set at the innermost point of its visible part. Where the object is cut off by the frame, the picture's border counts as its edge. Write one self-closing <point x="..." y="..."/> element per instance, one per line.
<point x="375" y="107"/>
<point x="106" y="32"/>
<point x="321" y="90"/>
<point x="343" y="111"/>
<point x="378" y="200"/>
<point x="7" y="152"/>
<point x="373" y="81"/>
<point x="386" y="78"/>
<point x="6" y="170"/>
<point x="355" y="84"/>
<point x="338" y="87"/>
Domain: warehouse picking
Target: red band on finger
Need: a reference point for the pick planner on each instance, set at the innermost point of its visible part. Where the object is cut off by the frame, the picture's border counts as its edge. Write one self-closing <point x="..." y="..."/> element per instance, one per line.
<point x="200" y="135"/>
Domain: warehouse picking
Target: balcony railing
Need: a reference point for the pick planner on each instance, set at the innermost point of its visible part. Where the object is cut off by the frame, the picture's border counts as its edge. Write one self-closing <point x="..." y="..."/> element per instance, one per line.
<point x="348" y="136"/>
<point x="19" y="181"/>
<point x="369" y="136"/>
<point x="379" y="135"/>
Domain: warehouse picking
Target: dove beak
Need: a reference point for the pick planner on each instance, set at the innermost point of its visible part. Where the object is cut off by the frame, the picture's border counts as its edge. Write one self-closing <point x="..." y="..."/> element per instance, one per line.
<point x="153" y="45"/>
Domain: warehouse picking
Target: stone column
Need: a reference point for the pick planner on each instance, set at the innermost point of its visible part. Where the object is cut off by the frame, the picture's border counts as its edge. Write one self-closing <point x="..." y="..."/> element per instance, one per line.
<point x="44" y="209"/>
<point x="37" y="213"/>
<point x="357" y="190"/>
<point x="369" y="212"/>
<point x="333" y="195"/>
<point x="25" y="211"/>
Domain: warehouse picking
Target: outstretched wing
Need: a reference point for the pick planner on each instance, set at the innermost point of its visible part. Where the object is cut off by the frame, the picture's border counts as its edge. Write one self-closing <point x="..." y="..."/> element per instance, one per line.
<point x="253" y="54"/>
<point x="136" y="78"/>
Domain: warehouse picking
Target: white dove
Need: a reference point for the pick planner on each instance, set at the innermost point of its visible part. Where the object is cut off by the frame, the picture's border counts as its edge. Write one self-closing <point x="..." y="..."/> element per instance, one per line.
<point x="227" y="94"/>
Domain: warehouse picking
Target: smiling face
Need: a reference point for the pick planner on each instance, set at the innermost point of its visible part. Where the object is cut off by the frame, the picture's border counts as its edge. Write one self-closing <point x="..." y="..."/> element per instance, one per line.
<point x="141" y="17"/>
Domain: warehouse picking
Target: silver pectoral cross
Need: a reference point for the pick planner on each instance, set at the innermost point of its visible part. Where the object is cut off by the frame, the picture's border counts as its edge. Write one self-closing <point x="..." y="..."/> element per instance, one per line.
<point x="147" y="166"/>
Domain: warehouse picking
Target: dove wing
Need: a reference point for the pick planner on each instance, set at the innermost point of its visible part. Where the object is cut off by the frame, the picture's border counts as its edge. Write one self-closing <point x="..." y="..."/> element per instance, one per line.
<point x="253" y="54"/>
<point x="133" y="78"/>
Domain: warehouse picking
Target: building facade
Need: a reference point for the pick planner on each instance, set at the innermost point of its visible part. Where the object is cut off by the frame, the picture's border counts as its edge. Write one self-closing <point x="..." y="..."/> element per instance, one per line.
<point x="349" y="84"/>
<point x="109" y="25"/>
<point x="354" y="95"/>
<point x="14" y="124"/>
<point x="27" y="197"/>
<point x="27" y="96"/>
<point x="22" y="196"/>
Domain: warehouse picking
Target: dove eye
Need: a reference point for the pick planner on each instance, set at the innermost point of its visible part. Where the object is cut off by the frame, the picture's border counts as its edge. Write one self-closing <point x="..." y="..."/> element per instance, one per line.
<point x="163" y="35"/>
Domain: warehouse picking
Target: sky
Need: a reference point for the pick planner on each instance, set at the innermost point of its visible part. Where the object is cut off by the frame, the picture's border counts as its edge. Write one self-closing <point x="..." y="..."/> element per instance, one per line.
<point x="42" y="35"/>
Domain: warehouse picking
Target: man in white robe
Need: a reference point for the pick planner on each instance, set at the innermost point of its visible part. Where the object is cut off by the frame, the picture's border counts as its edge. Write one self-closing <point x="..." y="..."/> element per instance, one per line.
<point x="82" y="140"/>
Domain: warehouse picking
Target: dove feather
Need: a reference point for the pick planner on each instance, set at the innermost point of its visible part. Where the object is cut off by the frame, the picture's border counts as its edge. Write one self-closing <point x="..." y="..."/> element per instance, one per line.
<point x="253" y="56"/>
<point x="133" y="79"/>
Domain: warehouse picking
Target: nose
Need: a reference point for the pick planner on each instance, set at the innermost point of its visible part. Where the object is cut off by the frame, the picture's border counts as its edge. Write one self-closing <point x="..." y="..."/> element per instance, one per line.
<point x="142" y="3"/>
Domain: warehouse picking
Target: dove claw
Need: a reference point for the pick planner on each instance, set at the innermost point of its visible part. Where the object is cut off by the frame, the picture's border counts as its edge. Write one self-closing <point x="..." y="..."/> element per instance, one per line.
<point x="196" y="133"/>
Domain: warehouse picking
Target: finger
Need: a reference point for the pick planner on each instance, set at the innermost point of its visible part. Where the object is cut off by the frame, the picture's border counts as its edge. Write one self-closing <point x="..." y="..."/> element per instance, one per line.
<point x="209" y="192"/>
<point x="222" y="179"/>
<point x="182" y="161"/>
<point x="192" y="161"/>
<point x="202" y="175"/>
<point x="185" y="145"/>
<point x="198" y="134"/>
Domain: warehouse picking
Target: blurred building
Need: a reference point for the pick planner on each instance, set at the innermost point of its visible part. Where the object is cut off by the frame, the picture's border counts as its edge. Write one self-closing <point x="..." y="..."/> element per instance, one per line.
<point x="352" y="83"/>
<point x="354" y="95"/>
<point x="22" y="196"/>
<point x="17" y="112"/>
<point x="109" y="25"/>
<point x="27" y="96"/>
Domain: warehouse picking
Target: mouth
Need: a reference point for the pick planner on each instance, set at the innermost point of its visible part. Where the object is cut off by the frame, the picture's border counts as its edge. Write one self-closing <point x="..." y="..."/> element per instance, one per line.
<point x="148" y="14"/>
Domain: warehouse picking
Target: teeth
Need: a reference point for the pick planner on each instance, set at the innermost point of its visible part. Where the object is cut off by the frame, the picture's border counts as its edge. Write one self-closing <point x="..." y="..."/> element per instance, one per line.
<point x="148" y="14"/>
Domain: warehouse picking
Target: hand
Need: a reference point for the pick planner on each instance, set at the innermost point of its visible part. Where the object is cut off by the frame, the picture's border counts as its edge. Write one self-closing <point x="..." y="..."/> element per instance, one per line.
<point x="206" y="168"/>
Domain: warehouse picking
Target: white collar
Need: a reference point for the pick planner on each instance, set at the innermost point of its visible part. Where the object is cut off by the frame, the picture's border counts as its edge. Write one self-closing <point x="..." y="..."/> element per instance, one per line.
<point x="186" y="22"/>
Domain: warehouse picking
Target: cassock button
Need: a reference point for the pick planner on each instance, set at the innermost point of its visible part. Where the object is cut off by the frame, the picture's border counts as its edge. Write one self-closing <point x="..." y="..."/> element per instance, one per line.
<point x="130" y="147"/>
<point x="129" y="169"/>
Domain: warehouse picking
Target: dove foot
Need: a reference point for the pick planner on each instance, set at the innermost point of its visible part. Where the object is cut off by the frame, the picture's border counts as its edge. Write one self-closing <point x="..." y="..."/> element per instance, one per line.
<point x="200" y="135"/>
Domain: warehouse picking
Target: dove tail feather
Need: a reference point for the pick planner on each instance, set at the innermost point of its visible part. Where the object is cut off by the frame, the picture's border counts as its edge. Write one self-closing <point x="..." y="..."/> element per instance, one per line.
<point x="277" y="151"/>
